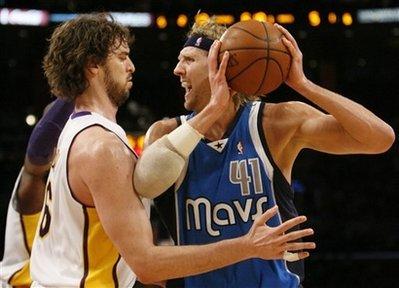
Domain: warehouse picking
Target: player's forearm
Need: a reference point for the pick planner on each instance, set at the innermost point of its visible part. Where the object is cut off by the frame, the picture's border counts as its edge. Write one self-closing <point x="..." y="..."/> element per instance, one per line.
<point x="359" y="122"/>
<point x="157" y="169"/>
<point x="168" y="262"/>
<point x="203" y="121"/>
<point x="34" y="170"/>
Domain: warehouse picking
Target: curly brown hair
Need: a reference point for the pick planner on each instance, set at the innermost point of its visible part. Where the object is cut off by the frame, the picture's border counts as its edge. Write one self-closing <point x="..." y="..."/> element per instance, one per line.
<point x="214" y="31"/>
<point x="86" y="39"/>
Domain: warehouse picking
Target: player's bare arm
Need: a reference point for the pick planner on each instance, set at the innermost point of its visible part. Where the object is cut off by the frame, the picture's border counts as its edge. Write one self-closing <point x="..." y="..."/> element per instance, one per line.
<point x="159" y="129"/>
<point x="31" y="188"/>
<point x="110" y="182"/>
<point x="347" y="128"/>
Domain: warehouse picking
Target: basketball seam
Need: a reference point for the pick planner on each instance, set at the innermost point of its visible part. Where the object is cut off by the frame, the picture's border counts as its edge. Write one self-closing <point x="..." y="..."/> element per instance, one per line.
<point x="257" y="37"/>
<point x="267" y="60"/>
<point x="250" y="64"/>
<point x="254" y="48"/>
<point x="245" y="68"/>
<point x="279" y="67"/>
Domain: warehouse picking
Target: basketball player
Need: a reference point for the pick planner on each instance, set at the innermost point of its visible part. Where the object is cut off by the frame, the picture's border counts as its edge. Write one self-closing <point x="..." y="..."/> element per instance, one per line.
<point x="94" y="229"/>
<point x="27" y="197"/>
<point x="243" y="165"/>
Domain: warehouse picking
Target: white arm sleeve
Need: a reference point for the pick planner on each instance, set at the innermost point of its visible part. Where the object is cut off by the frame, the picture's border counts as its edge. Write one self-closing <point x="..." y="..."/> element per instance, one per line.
<point x="162" y="162"/>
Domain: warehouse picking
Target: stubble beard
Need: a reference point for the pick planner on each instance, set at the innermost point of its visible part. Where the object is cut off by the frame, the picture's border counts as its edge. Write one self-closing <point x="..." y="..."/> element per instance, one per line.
<point x="117" y="93"/>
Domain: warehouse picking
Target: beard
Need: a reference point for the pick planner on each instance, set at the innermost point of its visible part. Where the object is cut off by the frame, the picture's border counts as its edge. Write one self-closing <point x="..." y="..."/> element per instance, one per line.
<point x="117" y="93"/>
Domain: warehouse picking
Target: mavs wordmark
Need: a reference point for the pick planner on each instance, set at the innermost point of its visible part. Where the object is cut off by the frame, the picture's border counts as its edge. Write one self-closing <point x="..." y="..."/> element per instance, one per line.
<point x="236" y="209"/>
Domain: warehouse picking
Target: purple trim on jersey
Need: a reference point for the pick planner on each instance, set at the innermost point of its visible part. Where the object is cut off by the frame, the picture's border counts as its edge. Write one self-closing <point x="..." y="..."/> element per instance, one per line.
<point x="45" y="135"/>
<point x="114" y="272"/>
<point x="80" y="114"/>
<point x="85" y="247"/>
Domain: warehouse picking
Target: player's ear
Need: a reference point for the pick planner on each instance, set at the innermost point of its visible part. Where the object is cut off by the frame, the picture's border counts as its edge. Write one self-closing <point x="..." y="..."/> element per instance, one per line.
<point x="92" y="67"/>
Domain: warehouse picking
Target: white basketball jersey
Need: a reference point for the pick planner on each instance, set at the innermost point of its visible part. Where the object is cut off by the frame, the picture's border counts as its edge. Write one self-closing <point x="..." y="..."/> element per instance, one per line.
<point x="71" y="248"/>
<point x="20" y="231"/>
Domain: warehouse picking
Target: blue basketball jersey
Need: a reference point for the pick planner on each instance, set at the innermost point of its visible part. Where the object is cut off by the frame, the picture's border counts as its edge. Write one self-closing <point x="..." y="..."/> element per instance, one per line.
<point x="228" y="183"/>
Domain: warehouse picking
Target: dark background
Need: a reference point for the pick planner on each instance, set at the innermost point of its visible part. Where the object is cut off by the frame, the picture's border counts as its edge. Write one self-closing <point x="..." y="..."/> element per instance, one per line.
<point x="351" y="201"/>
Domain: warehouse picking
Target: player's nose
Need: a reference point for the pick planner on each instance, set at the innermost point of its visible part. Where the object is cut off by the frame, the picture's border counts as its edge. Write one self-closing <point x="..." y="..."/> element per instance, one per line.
<point x="131" y="67"/>
<point x="178" y="71"/>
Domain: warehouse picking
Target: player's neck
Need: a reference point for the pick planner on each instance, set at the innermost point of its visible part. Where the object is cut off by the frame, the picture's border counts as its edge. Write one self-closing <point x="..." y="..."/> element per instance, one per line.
<point x="222" y="125"/>
<point x="96" y="100"/>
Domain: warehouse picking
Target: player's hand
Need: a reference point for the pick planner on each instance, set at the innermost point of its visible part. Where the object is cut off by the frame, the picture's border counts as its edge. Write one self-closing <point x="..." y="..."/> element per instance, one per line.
<point x="273" y="243"/>
<point x="296" y="77"/>
<point x="220" y="90"/>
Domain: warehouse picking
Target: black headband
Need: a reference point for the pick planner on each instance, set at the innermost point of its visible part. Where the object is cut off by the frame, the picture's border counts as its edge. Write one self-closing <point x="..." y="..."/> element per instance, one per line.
<point x="199" y="42"/>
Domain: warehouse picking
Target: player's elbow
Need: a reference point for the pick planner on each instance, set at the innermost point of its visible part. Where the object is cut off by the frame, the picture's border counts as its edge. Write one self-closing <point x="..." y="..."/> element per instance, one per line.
<point x="384" y="141"/>
<point x="388" y="139"/>
<point x="146" y="272"/>
<point x="145" y="277"/>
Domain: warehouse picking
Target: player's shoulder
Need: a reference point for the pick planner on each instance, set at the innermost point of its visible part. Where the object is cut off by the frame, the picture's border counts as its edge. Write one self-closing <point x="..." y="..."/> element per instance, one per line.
<point x="96" y="143"/>
<point x="160" y="128"/>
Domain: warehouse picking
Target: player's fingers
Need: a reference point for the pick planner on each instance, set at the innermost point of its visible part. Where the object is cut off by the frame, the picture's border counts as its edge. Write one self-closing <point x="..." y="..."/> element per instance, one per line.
<point x="296" y="246"/>
<point x="292" y="257"/>
<point x="289" y="45"/>
<point x="287" y="35"/>
<point x="303" y="255"/>
<point x="295" y="235"/>
<point x="262" y="219"/>
<point x="223" y="64"/>
<point x="289" y="224"/>
<point x="212" y="58"/>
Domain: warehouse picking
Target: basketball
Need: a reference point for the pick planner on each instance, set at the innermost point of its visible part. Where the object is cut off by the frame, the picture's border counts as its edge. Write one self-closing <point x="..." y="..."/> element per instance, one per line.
<point x="259" y="61"/>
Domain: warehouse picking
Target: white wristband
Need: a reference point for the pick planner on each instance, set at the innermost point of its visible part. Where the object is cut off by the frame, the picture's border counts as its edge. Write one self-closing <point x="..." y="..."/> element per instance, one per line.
<point x="184" y="139"/>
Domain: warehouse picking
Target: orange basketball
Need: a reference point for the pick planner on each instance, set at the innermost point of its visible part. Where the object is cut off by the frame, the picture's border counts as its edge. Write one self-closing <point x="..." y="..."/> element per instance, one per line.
<point x="259" y="61"/>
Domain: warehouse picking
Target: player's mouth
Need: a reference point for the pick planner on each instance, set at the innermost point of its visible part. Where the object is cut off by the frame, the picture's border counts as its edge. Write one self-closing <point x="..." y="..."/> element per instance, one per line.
<point x="130" y="79"/>
<point x="187" y="87"/>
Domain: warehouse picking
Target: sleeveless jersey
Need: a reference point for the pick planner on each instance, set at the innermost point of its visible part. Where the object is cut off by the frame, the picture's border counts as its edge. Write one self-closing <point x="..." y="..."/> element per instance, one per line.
<point x="20" y="231"/>
<point x="71" y="248"/>
<point x="228" y="183"/>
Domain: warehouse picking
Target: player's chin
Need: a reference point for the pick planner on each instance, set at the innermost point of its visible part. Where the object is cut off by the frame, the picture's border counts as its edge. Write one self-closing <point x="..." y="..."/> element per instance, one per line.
<point x="129" y="85"/>
<point x="187" y="99"/>
<point x="189" y="105"/>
